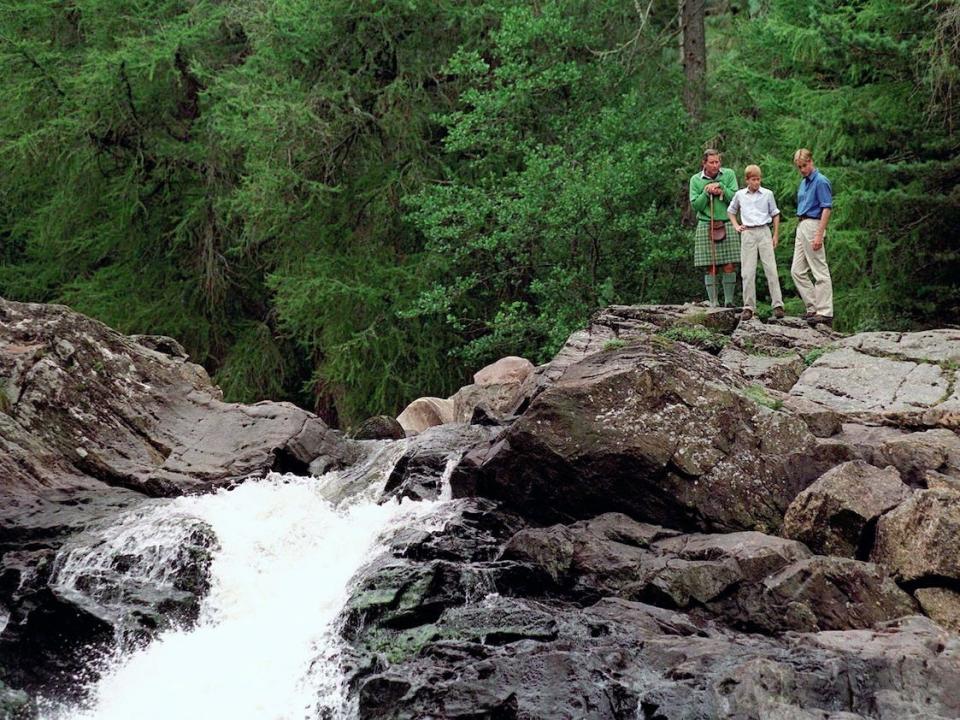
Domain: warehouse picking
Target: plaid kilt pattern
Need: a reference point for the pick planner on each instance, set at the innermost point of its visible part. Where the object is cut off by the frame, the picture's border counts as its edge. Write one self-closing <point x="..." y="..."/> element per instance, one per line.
<point x="728" y="249"/>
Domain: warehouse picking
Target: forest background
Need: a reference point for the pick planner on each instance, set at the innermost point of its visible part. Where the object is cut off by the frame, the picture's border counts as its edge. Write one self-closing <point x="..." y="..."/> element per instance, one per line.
<point x="352" y="203"/>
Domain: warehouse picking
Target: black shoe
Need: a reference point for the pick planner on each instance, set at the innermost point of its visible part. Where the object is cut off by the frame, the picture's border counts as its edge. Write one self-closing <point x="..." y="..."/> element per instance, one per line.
<point x="820" y="320"/>
<point x="746" y="314"/>
<point x="809" y="314"/>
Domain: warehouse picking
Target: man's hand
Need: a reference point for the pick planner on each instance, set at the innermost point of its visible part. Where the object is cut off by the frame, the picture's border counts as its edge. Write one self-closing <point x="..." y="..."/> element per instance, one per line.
<point x="713" y="189"/>
<point x="817" y="241"/>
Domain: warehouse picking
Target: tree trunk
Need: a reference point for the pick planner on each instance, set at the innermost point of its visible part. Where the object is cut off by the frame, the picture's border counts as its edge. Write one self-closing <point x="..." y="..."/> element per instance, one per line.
<point x="693" y="56"/>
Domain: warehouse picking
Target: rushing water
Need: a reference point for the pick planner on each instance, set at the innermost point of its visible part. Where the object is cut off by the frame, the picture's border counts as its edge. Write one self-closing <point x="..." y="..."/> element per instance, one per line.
<point x="265" y="646"/>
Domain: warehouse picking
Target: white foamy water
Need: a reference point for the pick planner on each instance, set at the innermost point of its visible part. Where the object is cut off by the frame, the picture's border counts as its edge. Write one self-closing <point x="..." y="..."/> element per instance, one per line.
<point x="265" y="645"/>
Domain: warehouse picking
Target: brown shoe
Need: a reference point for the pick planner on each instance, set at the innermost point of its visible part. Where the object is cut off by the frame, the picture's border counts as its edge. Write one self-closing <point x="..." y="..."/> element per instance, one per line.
<point x="778" y="313"/>
<point x="809" y="314"/>
<point x="746" y="314"/>
<point x="820" y="320"/>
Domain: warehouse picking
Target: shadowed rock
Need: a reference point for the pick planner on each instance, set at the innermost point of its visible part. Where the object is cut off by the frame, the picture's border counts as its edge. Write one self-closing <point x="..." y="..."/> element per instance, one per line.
<point x="832" y="515"/>
<point x="921" y="537"/>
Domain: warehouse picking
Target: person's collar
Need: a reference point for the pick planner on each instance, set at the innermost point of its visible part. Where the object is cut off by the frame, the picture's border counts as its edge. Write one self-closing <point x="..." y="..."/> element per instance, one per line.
<point x="812" y="175"/>
<point x="703" y="174"/>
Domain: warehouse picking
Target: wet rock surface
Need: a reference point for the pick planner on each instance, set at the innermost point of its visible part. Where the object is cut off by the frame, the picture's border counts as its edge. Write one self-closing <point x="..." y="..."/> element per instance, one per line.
<point x="613" y="553"/>
<point x="615" y="543"/>
<point x="92" y="423"/>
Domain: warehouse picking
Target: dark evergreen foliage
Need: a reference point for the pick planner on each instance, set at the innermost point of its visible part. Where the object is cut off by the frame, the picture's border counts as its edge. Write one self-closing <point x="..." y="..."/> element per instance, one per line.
<point x="350" y="203"/>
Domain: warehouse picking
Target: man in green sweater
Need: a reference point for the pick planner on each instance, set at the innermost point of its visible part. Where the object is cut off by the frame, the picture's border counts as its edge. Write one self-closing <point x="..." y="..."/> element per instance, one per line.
<point x="720" y="184"/>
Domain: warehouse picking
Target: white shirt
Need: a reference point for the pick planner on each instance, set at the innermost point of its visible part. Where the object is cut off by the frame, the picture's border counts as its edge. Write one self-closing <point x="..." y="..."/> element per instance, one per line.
<point x="756" y="208"/>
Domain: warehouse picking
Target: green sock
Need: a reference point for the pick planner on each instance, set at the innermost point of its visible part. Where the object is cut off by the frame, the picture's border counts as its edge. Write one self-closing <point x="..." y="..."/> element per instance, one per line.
<point x="729" y="288"/>
<point x="711" y="282"/>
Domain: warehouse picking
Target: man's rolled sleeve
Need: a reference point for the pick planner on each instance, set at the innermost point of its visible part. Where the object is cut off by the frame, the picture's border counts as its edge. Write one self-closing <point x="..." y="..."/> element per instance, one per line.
<point x="734" y="206"/>
<point x="772" y="206"/>
<point x="825" y="194"/>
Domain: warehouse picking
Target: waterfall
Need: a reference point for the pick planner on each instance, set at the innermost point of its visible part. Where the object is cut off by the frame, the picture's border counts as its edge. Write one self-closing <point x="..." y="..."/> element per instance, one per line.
<point x="265" y="644"/>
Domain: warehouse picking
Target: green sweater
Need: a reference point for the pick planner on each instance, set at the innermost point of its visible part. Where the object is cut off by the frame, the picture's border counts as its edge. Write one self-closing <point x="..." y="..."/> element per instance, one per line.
<point x="701" y="200"/>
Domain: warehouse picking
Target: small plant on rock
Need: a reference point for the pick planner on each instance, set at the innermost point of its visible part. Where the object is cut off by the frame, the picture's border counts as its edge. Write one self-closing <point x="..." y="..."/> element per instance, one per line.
<point x="759" y="395"/>
<point x="811" y="357"/>
<point x="614" y="344"/>
<point x="698" y="336"/>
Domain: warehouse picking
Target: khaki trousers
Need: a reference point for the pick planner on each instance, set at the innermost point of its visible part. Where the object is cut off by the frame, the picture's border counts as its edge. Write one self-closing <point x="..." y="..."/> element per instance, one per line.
<point x="753" y="242"/>
<point x="817" y="298"/>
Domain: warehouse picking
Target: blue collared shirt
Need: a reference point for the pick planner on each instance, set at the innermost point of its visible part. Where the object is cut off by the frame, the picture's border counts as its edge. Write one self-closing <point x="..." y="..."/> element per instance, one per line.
<point x="814" y="194"/>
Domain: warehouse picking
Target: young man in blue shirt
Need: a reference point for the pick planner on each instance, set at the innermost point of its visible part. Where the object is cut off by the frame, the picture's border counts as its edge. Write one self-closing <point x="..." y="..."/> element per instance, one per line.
<point x="814" y="205"/>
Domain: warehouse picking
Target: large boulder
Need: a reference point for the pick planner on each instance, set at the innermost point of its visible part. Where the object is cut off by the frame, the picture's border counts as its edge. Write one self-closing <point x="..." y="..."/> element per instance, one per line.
<point x="138" y="418"/>
<point x="773" y="354"/>
<point x="942" y="605"/>
<point x="921" y="537"/>
<point x="655" y="429"/>
<point x="379" y="427"/>
<point x="833" y="516"/>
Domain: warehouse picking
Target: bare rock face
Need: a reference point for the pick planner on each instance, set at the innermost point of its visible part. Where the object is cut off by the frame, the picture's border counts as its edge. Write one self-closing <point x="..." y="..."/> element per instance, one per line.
<point x="100" y="406"/>
<point x="821" y="421"/>
<point x="905" y="378"/>
<point x="773" y="354"/>
<point x="921" y="537"/>
<point x="487" y="639"/>
<point x="746" y="580"/>
<point x="656" y="429"/>
<point x="832" y="515"/>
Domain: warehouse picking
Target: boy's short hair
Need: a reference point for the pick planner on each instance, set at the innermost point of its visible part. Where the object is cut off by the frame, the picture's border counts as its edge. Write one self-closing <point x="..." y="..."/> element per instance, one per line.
<point x="802" y="156"/>
<point x="752" y="171"/>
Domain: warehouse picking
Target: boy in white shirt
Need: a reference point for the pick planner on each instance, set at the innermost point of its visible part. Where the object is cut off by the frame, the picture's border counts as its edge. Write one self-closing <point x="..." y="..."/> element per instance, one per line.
<point x="758" y="210"/>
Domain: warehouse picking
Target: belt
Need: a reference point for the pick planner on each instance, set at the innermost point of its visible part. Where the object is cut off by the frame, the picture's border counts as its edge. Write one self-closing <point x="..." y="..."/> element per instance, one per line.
<point x="807" y="217"/>
<point x="754" y="227"/>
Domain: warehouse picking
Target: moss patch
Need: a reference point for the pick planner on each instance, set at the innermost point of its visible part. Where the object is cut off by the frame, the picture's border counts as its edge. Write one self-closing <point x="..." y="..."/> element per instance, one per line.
<point x="698" y="336"/>
<point x="759" y="395"/>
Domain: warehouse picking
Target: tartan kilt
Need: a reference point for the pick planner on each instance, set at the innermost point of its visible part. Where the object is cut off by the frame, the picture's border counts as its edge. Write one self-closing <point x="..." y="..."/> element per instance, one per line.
<point x="728" y="249"/>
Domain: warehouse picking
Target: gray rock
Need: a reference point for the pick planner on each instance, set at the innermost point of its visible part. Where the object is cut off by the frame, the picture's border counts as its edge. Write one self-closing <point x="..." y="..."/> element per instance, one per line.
<point x="137" y="418"/>
<point x="779" y="372"/>
<point x="921" y="537"/>
<point x="908" y="378"/>
<point x="930" y="346"/>
<point x="942" y="605"/>
<point x="822" y="593"/>
<point x="832" y="516"/>
<point x="821" y="421"/>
